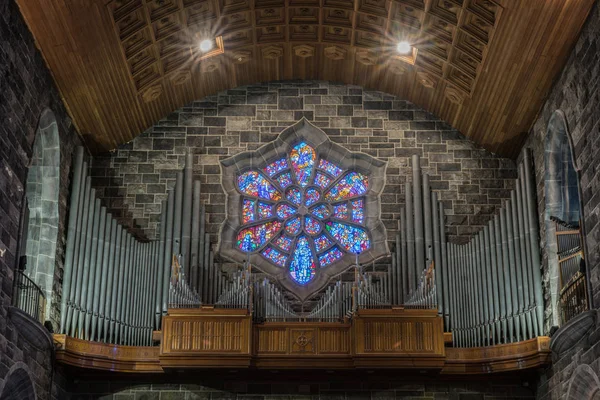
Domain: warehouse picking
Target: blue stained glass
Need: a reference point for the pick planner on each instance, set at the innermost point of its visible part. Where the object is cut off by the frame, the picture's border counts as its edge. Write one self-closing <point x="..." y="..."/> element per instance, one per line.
<point x="302" y="267"/>
<point x="340" y="211"/>
<point x="265" y="210"/>
<point x="275" y="256"/>
<point x="294" y="196"/>
<point x="284" y="180"/>
<point x="254" y="184"/>
<point x="322" y="180"/>
<point x="248" y="211"/>
<point x="311" y="225"/>
<point x="330" y="168"/>
<point x="351" y="185"/>
<point x="293" y="226"/>
<point x="330" y="256"/>
<point x="352" y="238"/>
<point x="358" y="211"/>
<point x="303" y="159"/>
<point x="322" y="242"/>
<point x="283" y="242"/>
<point x="285" y="211"/>
<point x="276" y="166"/>
<point x="321" y="211"/>
<point x="311" y="196"/>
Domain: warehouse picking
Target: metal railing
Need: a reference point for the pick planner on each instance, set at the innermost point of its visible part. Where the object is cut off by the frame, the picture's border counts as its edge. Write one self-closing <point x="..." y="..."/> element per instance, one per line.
<point x="29" y="297"/>
<point x="573" y="298"/>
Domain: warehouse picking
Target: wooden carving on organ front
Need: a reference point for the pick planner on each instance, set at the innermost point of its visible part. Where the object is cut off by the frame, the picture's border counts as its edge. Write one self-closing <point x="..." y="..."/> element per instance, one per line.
<point x="303" y="209"/>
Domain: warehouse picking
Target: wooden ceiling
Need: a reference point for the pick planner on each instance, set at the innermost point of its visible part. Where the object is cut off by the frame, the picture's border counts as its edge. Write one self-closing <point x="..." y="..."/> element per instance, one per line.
<point x="485" y="66"/>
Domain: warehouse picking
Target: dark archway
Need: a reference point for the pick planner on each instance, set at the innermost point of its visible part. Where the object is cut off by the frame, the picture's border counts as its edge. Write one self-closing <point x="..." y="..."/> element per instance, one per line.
<point x="18" y="384"/>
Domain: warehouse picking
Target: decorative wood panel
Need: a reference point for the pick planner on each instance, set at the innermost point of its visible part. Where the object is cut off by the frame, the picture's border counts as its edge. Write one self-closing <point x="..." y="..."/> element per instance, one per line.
<point x="205" y="337"/>
<point x="484" y="66"/>
<point x="383" y="335"/>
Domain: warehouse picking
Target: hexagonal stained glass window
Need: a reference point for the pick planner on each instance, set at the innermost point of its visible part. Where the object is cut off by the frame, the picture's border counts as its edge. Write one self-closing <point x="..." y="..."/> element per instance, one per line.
<point x="284" y="205"/>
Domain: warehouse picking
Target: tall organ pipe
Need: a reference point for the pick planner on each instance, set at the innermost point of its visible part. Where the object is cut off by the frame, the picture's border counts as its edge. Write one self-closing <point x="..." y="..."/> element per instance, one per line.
<point x="198" y="284"/>
<point x="428" y="215"/>
<point x="80" y="232"/>
<point x="444" y="262"/>
<point x="77" y="188"/>
<point x="92" y="239"/>
<point x="524" y="258"/>
<point x="168" y="252"/>
<point x="187" y="215"/>
<point x="205" y="270"/>
<point x="101" y="274"/>
<point x="178" y="209"/>
<point x="433" y="208"/>
<point x="418" y="218"/>
<point x="533" y="239"/>
<point x="113" y="288"/>
<point x="410" y="242"/>
<point x="162" y="244"/>
<point x="193" y="277"/>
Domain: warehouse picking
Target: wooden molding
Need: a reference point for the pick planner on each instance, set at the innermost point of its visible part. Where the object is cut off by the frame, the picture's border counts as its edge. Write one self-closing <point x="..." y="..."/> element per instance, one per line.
<point x="375" y="339"/>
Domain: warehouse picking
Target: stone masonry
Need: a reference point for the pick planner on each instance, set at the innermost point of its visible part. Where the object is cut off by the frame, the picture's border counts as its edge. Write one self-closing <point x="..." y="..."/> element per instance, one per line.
<point x="26" y="89"/>
<point x="133" y="180"/>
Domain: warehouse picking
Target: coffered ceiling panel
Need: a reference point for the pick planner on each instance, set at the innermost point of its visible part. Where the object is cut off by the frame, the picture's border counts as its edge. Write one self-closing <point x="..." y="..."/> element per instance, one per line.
<point x="484" y="66"/>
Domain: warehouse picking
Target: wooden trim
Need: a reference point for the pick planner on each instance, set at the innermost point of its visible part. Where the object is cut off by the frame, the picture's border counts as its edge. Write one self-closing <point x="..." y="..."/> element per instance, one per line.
<point x="528" y="354"/>
<point x="108" y="357"/>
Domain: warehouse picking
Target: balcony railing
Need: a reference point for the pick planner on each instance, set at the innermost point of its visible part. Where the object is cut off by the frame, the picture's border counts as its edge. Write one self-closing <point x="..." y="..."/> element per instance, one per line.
<point x="29" y="297"/>
<point x="573" y="298"/>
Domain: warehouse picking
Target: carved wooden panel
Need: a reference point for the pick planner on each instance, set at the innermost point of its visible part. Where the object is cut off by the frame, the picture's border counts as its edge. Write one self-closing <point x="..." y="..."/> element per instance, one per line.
<point x="388" y="332"/>
<point x="205" y="337"/>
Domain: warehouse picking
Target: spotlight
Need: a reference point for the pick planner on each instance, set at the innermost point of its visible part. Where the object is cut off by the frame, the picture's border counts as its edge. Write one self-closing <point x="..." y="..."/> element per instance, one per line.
<point x="206" y="45"/>
<point x="404" y="47"/>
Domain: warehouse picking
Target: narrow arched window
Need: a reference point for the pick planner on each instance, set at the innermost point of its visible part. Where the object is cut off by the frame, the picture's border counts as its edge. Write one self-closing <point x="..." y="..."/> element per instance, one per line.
<point x="566" y="261"/>
<point x="42" y="217"/>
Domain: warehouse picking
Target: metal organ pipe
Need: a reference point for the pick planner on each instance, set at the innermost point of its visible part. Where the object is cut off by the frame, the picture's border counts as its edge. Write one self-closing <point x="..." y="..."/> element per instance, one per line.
<point x="418" y="218"/>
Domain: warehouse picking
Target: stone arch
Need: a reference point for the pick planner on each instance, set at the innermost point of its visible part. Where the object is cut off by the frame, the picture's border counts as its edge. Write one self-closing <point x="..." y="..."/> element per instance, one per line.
<point x="42" y="195"/>
<point x="562" y="194"/>
<point x="584" y="384"/>
<point x="18" y="384"/>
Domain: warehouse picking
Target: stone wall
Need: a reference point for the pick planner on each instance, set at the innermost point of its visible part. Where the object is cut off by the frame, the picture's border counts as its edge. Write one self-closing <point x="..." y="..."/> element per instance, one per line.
<point x="576" y="93"/>
<point x="134" y="179"/>
<point x="26" y="89"/>
<point x="307" y="385"/>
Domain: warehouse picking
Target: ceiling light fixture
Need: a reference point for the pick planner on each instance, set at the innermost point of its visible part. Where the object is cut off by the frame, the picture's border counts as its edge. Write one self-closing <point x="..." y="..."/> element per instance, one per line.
<point x="404" y="47"/>
<point x="206" y="45"/>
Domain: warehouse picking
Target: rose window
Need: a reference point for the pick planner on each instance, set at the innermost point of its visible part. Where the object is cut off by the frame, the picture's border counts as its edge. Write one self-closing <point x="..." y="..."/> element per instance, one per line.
<point x="303" y="209"/>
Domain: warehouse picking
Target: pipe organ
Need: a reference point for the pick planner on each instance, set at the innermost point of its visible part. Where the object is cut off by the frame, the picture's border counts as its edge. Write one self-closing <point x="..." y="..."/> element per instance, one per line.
<point x="117" y="288"/>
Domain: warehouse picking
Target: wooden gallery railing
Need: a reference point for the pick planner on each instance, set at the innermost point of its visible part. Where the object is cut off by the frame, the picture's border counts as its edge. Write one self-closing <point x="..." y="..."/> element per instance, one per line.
<point x="29" y="297"/>
<point x="573" y="298"/>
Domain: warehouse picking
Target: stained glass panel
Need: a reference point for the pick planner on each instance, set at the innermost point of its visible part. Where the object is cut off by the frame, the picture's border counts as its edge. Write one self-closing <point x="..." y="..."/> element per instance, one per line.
<point x="284" y="180"/>
<point x="293" y="226"/>
<point x="358" y="211"/>
<point x="275" y="256"/>
<point x="330" y="256"/>
<point x="303" y="159"/>
<point x="265" y="210"/>
<point x="254" y="184"/>
<point x="340" y="211"/>
<point x="352" y="238"/>
<point x="285" y="211"/>
<point x="322" y="180"/>
<point x="302" y="267"/>
<point x="311" y="196"/>
<point x="294" y="195"/>
<point x="247" y="211"/>
<point x="283" y="242"/>
<point x="311" y="225"/>
<point x="250" y="239"/>
<point x="351" y="185"/>
<point x="322" y="242"/>
<point x="276" y="166"/>
<point x="321" y="211"/>
<point x="330" y="168"/>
